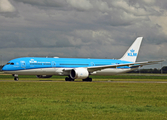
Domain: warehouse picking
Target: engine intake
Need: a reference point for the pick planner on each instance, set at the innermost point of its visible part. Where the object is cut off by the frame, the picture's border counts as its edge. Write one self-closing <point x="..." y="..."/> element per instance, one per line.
<point x="79" y="73"/>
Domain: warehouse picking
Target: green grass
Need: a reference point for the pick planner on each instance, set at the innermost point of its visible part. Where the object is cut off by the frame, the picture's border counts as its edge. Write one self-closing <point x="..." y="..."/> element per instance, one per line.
<point x="82" y="101"/>
<point x="121" y="77"/>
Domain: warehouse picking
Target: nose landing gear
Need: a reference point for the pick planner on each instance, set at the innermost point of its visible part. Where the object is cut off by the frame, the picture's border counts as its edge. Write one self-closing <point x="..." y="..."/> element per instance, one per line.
<point x="16" y="78"/>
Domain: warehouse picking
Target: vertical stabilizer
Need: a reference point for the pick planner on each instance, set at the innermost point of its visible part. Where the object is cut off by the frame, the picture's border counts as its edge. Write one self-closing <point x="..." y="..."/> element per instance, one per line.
<point x="132" y="53"/>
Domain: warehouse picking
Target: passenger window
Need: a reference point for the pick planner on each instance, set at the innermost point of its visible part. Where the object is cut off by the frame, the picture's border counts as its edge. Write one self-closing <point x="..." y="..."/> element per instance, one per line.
<point x="12" y="63"/>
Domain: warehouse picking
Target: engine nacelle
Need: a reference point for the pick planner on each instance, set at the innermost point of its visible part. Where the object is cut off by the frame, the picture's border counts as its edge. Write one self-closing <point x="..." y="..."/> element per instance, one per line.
<point x="79" y="73"/>
<point x="44" y="76"/>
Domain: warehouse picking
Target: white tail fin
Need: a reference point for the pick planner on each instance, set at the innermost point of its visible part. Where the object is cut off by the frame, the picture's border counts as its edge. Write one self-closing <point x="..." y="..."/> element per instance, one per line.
<point x="132" y="53"/>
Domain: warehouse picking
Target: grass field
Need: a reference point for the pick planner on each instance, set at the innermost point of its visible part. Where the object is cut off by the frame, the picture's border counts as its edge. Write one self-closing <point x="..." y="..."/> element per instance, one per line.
<point x="83" y="100"/>
<point x="122" y="77"/>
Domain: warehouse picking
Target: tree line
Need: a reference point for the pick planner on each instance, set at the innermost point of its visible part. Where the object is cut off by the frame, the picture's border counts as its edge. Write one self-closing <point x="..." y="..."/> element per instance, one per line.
<point x="151" y="70"/>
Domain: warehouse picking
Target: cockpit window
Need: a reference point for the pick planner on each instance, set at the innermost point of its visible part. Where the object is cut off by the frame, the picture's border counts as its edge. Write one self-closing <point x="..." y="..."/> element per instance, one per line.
<point x="10" y="63"/>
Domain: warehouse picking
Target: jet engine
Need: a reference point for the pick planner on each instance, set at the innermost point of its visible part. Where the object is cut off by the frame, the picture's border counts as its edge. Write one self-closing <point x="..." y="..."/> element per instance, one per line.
<point x="79" y="73"/>
<point x="44" y="76"/>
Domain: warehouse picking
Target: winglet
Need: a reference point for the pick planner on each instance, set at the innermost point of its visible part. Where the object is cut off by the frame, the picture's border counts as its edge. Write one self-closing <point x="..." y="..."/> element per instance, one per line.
<point x="132" y="53"/>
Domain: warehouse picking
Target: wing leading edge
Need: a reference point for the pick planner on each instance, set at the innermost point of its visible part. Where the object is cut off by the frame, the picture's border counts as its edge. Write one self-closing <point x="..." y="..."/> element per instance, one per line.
<point x="131" y="65"/>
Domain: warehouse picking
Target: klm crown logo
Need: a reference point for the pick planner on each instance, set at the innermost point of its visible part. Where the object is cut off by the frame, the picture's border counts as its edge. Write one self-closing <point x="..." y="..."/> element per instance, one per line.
<point x="132" y="53"/>
<point x="32" y="61"/>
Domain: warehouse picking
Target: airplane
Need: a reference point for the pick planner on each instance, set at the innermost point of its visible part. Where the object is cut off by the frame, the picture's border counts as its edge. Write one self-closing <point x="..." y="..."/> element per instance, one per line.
<point x="76" y="68"/>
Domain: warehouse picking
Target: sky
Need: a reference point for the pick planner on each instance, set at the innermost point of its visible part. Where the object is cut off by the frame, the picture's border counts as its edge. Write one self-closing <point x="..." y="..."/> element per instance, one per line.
<point x="82" y="28"/>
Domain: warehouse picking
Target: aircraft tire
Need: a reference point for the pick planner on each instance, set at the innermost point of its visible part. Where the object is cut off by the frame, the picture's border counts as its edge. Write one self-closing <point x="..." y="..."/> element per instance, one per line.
<point x="66" y="79"/>
<point x="16" y="78"/>
<point x="90" y="79"/>
<point x="69" y="79"/>
<point x="87" y="79"/>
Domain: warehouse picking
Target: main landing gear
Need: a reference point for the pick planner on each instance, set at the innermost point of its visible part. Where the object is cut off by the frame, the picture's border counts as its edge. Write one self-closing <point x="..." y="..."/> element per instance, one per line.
<point x="16" y="78"/>
<point x="86" y="80"/>
<point x="69" y="79"/>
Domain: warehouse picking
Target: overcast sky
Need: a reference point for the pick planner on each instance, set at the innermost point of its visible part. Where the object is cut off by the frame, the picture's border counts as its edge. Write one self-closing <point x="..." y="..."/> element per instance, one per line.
<point x="82" y="28"/>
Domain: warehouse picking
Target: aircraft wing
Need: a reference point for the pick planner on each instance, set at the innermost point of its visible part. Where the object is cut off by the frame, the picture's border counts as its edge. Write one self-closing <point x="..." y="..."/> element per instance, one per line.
<point x="132" y="65"/>
<point x="136" y="64"/>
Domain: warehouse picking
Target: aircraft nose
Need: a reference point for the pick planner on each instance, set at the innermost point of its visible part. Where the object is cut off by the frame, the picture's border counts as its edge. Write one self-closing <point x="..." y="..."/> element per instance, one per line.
<point x="4" y="68"/>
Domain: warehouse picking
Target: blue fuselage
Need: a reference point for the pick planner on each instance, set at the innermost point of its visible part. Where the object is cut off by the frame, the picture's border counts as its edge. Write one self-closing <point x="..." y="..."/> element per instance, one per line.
<point x="38" y="63"/>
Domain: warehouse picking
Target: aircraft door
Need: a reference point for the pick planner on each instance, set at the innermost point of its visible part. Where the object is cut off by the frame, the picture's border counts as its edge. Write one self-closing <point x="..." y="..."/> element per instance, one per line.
<point x="53" y="64"/>
<point x="23" y="64"/>
<point x="92" y="64"/>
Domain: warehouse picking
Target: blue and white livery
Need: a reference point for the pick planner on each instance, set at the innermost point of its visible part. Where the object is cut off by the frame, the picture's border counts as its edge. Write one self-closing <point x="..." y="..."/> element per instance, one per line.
<point x="76" y="68"/>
